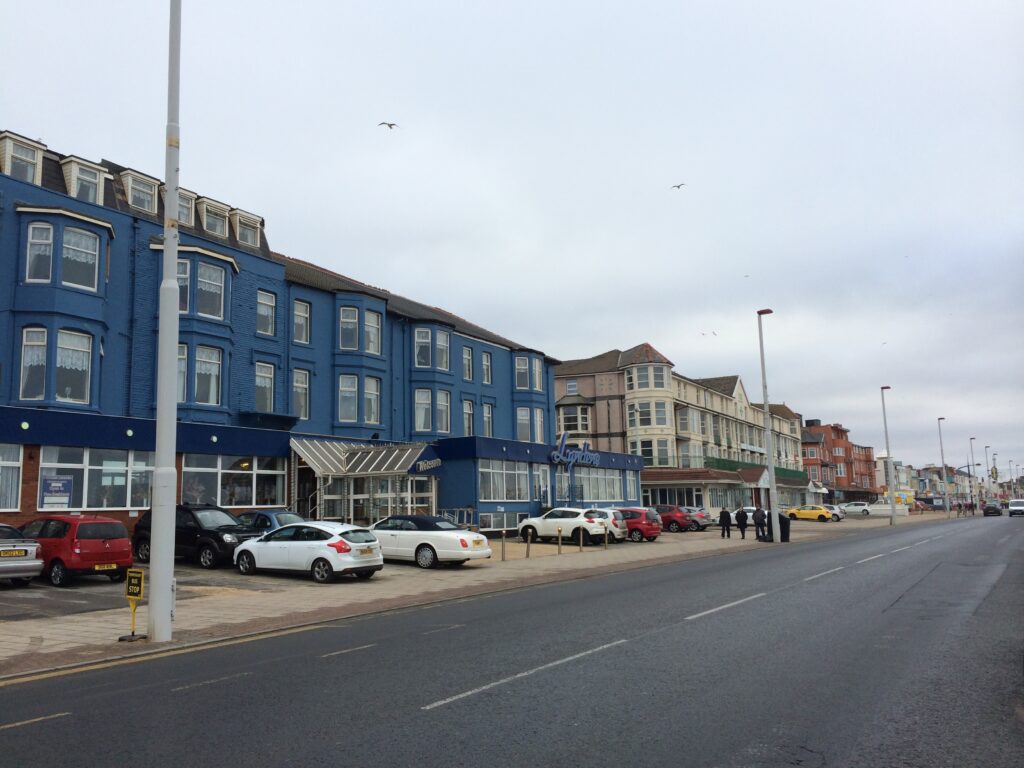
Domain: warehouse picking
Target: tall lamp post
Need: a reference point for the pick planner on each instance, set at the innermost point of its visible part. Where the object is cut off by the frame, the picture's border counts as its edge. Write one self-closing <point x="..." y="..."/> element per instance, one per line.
<point x="769" y="437"/>
<point x="988" y="473"/>
<point x="995" y="475"/>
<point x="888" y="462"/>
<point x="945" y="484"/>
<point x="973" y="465"/>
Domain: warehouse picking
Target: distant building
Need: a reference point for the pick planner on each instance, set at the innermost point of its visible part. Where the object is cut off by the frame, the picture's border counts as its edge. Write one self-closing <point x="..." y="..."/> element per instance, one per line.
<point x="845" y="469"/>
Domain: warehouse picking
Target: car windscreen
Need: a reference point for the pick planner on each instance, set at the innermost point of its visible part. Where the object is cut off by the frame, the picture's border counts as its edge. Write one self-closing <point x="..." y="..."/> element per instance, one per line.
<point x="652" y="516"/>
<point x="359" y="536"/>
<point x="215" y="518"/>
<point x="102" y="531"/>
<point x="8" y="532"/>
<point x="287" y="518"/>
<point x="441" y="525"/>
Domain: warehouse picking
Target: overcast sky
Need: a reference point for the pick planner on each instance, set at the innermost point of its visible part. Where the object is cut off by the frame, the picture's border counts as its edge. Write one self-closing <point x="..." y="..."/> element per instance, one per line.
<point x="856" y="166"/>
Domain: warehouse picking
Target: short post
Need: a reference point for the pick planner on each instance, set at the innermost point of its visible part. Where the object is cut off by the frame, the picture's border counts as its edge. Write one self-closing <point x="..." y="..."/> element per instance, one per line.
<point x="528" y="540"/>
<point x="604" y="526"/>
<point x="559" y="539"/>
<point x="583" y="533"/>
<point x="503" y="534"/>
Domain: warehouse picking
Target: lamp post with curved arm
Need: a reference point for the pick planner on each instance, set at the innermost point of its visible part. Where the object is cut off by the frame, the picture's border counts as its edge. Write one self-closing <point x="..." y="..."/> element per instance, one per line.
<point x="888" y="463"/>
<point x="942" y="455"/>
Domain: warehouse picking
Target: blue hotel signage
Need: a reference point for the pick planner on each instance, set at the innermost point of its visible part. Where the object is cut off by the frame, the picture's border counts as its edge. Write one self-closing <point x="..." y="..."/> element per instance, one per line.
<point x="584" y="457"/>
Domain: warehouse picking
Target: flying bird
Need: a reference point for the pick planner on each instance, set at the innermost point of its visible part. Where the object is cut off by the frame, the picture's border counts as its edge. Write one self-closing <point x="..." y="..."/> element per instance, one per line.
<point x="677" y="186"/>
<point x="389" y="125"/>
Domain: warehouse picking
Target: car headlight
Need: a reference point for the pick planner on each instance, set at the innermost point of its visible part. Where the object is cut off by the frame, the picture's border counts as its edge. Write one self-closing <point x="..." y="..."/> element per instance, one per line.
<point x="229" y="538"/>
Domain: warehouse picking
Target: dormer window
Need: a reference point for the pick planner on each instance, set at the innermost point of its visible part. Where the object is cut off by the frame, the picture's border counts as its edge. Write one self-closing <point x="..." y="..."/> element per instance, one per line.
<point x="186" y="208"/>
<point x="214" y="217"/>
<point x="141" y="192"/>
<point x="21" y="159"/>
<point x="247" y="228"/>
<point x="84" y="180"/>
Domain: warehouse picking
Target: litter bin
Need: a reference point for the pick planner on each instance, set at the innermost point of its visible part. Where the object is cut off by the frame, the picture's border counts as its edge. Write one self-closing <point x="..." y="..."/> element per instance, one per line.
<point x="783" y="527"/>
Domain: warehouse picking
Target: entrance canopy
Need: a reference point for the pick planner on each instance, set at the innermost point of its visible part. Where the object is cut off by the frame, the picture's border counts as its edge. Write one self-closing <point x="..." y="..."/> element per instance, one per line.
<point x="337" y="459"/>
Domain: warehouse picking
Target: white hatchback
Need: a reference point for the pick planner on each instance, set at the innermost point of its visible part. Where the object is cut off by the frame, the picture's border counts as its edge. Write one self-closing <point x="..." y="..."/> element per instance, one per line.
<point x="322" y="549"/>
<point x="429" y="540"/>
<point x="574" y="522"/>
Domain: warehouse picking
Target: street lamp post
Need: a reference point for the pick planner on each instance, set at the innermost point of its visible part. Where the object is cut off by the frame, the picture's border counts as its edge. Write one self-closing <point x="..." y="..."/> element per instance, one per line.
<point x="945" y="484"/>
<point x="973" y="465"/>
<point x="769" y="437"/>
<point x="888" y="462"/>
<point x="988" y="473"/>
<point x="995" y="475"/>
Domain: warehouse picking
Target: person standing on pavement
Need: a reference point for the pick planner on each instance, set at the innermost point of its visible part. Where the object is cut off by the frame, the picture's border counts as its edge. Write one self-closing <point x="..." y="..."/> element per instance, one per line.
<point x="741" y="522"/>
<point x="726" y="522"/>
<point x="760" y="524"/>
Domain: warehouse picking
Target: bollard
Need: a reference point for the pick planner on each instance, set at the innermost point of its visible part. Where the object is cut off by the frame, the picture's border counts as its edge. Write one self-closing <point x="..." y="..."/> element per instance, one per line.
<point x="604" y="526"/>
<point x="528" y="540"/>
<point x="503" y="534"/>
<point x="559" y="539"/>
<point x="582" y="532"/>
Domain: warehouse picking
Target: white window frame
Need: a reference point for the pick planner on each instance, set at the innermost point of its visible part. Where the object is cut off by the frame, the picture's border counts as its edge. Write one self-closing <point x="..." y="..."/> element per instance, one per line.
<point x="209" y="357"/>
<point x="643" y="377"/>
<point x="188" y="202"/>
<point x="348" y="389"/>
<point x="11" y="484"/>
<point x="348" y="324"/>
<point x="37" y="342"/>
<point x="34" y="162"/>
<point x="571" y="387"/>
<point x="444" y="411"/>
<point x="371" y="400"/>
<point x="211" y="269"/>
<point x="485" y="367"/>
<point x="467" y="418"/>
<point x="214" y="213"/>
<point x="36" y="245"/>
<point x="522" y="372"/>
<point x="264" y="373"/>
<point x="182" y="385"/>
<point x="538" y="425"/>
<point x="423" y="406"/>
<point x="248" y="227"/>
<point x="304" y="311"/>
<point x="659" y="375"/>
<point x="184" y="273"/>
<point x="538" y="374"/>
<point x="422" y="342"/>
<point x="145" y="188"/>
<point x="523" y="422"/>
<point x="85" y="351"/>
<point x="300" y="393"/>
<point x="488" y="419"/>
<point x="443" y="351"/>
<point x="65" y="256"/>
<point x="78" y="172"/>
<point x="467" y="363"/>
<point x="266" y="313"/>
<point x="373" y="323"/>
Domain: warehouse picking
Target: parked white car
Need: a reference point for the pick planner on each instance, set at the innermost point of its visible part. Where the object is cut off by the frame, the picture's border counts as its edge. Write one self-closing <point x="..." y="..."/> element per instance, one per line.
<point x="838" y="513"/>
<point x="613" y="519"/>
<point x="323" y="549"/>
<point x="856" y="508"/>
<point x="574" y="522"/>
<point x="1016" y="507"/>
<point x="429" y="540"/>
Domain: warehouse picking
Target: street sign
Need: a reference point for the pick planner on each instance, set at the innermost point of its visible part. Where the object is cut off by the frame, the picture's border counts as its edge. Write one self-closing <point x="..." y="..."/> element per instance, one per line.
<point x="134" y="590"/>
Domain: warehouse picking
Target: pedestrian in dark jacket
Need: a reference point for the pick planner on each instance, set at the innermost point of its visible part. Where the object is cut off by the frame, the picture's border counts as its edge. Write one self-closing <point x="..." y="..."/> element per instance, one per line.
<point x="760" y="524"/>
<point x="726" y="522"/>
<point x="741" y="522"/>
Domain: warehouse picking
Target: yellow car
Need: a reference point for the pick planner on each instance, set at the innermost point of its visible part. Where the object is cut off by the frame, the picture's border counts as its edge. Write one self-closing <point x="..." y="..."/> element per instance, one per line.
<point x="809" y="512"/>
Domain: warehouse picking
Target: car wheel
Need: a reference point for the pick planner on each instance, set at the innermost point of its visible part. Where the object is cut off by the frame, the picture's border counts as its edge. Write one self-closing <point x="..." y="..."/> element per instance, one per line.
<point x="694" y="526"/>
<point x="119" y="575"/>
<point x="529" y="534"/>
<point x="822" y="519"/>
<point x="142" y="551"/>
<point x="364" y="575"/>
<point x="674" y="527"/>
<point x="207" y="557"/>
<point x="835" y="518"/>
<point x="792" y="516"/>
<point x="59" y="575"/>
<point x="864" y="511"/>
<point x="246" y="563"/>
<point x="636" y="535"/>
<point x="322" y="571"/>
<point x="426" y="557"/>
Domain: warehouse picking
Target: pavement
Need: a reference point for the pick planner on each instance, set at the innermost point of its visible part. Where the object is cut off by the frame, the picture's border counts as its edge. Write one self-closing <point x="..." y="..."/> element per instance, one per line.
<point x="232" y="607"/>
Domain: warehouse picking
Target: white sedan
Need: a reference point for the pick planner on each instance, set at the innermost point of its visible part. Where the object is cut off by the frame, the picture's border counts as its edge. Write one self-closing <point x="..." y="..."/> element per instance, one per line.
<point x="322" y="549"/>
<point x="429" y="540"/>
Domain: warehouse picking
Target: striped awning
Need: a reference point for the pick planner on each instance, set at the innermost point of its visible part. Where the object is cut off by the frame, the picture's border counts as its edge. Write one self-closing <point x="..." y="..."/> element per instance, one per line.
<point x="336" y="458"/>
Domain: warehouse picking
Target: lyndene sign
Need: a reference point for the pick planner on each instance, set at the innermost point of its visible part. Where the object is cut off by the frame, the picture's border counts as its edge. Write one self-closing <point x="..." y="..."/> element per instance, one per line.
<point x="582" y="456"/>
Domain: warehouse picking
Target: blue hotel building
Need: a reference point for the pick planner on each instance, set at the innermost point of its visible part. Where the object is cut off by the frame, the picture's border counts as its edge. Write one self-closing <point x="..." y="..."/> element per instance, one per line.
<point x="296" y="386"/>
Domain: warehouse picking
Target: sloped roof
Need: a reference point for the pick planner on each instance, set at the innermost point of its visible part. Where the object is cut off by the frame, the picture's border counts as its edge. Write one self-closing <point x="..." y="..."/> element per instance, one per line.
<point x="642" y="353"/>
<point x="781" y="410"/>
<point x="603" y="363"/>
<point x="724" y="384"/>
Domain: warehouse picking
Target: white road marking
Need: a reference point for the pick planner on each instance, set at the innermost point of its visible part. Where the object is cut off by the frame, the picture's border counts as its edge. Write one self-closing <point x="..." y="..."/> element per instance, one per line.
<point x="33" y="720"/>
<point x="824" y="573"/>
<point x="527" y="673"/>
<point x="900" y="549"/>
<point x="873" y="557"/>
<point x="727" y="605"/>
<point x="1003" y="539"/>
<point x="210" y="682"/>
<point x="923" y="541"/>
<point x="348" y="650"/>
<point x="443" y="629"/>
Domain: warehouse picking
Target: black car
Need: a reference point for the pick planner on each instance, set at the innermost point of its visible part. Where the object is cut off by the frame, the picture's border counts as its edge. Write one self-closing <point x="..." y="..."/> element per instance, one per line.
<point x="204" y="533"/>
<point x="993" y="507"/>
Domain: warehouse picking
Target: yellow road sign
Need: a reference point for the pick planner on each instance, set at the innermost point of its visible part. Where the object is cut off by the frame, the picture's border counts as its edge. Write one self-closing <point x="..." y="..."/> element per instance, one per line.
<point x="134" y="585"/>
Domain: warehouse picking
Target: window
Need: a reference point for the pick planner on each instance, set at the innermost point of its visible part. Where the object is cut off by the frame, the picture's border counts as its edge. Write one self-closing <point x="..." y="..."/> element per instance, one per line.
<point x="444" y="411"/>
<point x="838" y="451"/>
<point x="74" y="364"/>
<point x="840" y="470"/>
<point x="659" y="376"/>
<point x="538" y="425"/>
<point x="40" y="253"/>
<point x="644" y="448"/>
<point x="643" y="414"/>
<point x="371" y="400"/>
<point x="571" y="387"/>
<point x="80" y="259"/>
<point x="264" y="387"/>
<point x="215" y="221"/>
<point x="87" y="183"/>
<point x="186" y="209"/>
<point x="642" y="377"/>
<point x="523" y="424"/>
<point x="538" y="374"/>
<point x="33" y="363"/>
<point x="23" y="162"/>
<point x="348" y="328"/>
<point x="371" y="331"/>
<point x="248" y="234"/>
<point x="422" y="347"/>
<point x="485" y="366"/>
<point x="348" y="397"/>
<point x="467" y="363"/>
<point x="504" y="480"/>
<point x="467" y="417"/>
<point x="10" y="477"/>
<point x="542" y="484"/>
<point x="266" y="304"/>
<point x="233" y="481"/>
<point x="660" y="413"/>
<point x="630" y="485"/>
<point x="812" y="472"/>
<point x="812" y="453"/>
<point x="684" y="420"/>
<point x="300" y="393"/>
<point x="141" y="194"/>
<point x="488" y="417"/>
<point x="300" y="322"/>
<point x="423" y="408"/>
<point x="208" y="375"/>
<point x="210" y="291"/>
<point x="575" y="418"/>
<point x="662" y="455"/>
<point x="100" y="478"/>
<point x="183" y="281"/>
<point x="182" y="371"/>
<point x="629" y="380"/>
<point x="442" y="350"/>
<point x="522" y="373"/>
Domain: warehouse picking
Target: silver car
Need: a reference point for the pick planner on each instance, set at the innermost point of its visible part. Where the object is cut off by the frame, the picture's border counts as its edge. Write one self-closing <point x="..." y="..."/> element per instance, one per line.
<point x="18" y="556"/>
<point x="838" y="513"/>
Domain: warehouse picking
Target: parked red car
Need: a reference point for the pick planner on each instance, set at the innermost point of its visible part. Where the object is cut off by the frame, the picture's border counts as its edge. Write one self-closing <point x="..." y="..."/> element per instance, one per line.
<point x="677" y="519"/>
<point x="79" y="544"/>
<point x="641" y="523"/>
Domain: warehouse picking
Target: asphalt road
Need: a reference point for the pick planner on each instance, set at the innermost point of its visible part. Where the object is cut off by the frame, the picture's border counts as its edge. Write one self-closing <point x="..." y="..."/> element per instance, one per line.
<point x="893" y="647"/>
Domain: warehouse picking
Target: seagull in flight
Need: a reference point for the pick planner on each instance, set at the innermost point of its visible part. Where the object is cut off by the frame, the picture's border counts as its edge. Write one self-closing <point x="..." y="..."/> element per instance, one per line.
<point x="389" y="125"/>
<point x="677" y="186"/>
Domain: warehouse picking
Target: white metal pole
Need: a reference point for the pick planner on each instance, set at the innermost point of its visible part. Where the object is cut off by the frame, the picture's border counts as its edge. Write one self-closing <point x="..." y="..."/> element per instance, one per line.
<point x="942" y="455"/>
<point x="973" y="465"/>
<point x="888" y="463"/>
<point x="161" y="569"/>
<point x="988" y="474"/>
<point x="769" y="437"/>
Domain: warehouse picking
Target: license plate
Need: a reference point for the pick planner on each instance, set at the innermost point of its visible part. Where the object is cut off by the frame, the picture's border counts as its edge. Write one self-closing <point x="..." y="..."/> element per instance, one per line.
<point x="105" y="567"/>
<point x="13" y="552"/>
<point x="366" y="551"/>
<point x="478" y="543"/>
